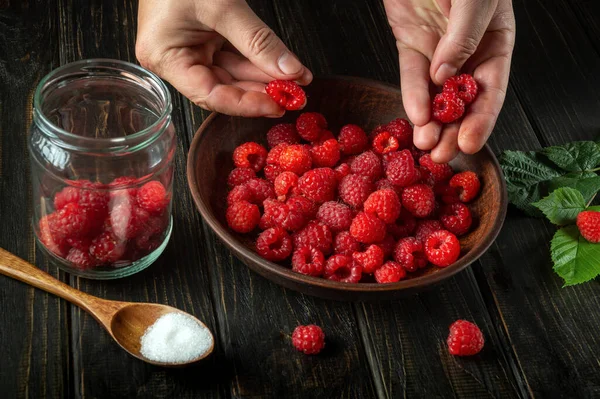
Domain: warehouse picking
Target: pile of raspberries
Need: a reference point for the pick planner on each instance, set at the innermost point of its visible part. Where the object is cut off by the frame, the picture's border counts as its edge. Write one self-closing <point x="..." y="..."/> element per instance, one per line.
<point x="112" y="225"/>
<point x="350" y="206"/>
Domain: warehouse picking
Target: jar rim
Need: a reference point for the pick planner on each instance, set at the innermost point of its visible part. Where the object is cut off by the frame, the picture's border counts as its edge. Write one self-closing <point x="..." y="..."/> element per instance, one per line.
<point x="127" y="67"/>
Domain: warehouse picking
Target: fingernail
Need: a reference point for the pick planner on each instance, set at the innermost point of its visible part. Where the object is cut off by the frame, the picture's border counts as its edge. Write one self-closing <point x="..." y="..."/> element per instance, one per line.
<point x="289" y="64"/>
<point x="444" y="72"/>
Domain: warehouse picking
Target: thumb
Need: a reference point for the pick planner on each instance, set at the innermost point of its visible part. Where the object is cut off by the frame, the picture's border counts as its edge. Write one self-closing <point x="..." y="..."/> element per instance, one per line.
<point x="257" y="42"/>
<point x="468" y="21"/>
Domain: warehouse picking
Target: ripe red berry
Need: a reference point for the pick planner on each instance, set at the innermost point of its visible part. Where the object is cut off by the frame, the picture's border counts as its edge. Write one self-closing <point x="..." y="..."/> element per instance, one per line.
<point x="588" y="223"/>
<point x="352" y="139"/>
<point x="126" y="219"/>
<point x="279" y="214"/>
<point x="272" y="171"/>
<point x="387" y="245"/>
<point x="402" y="131"/>
<point x="240" y="176"/>
<point x="250" y="155"/>
<point x="383" y="184"/>
<point x="318" y="185"/>
<point x="468" y="185"/>
<point x="275" y="152"/>
<point x="367" y="228"/>
<point x="240" y="193"/>
<point x="242" y="216"/>
<point x="343" y="268"/>
<point x="274" y="244"/>
<point x="72" y="221"/>
<point x="53" y="242"/>
<point x="419" y="200"/>
<point x="310" y="125"/>
<point x="465" y="338"/>
<point x="384" y="204"/>
<point x="447" y="194"/>
<point x="441" y="172"/>
<point x="341" y="171"/>
<point x="260" y="189"/>
<point x="308" y="339"/>
<point x="409" y="254"/>
<point x="66" y="196"/>
<point x="456" y="218"/>
<point x="295" y="158"/>
<point x="106" y="248"/>
<point x="314" y="235"/>
<point x="426" y="227"/>
<point x="282" y="133"/>
<point x="81" y="260"/>
<point x="308" y="261"/>
<point x="447" y="107"/>
<point x="400" y="168"/>
<point x="307" y="207"/>
<point x="389" y="272"/>
<point x="442" y="248"/>
<point x="464" y="86"/>
<point x="404" y="226"/>
<point x="153" y="197"/>
<point x="326" y="153"/>
<point x="287" y="94"/>
<point x="371" y="259"/>
<point x="285" y="184"/>
<point x="355" y="189"/>
<point x="367" y="164"/>
<point x="345" y="244"/>
<point x="336" y="215"/>
<point x="384" y="143"/>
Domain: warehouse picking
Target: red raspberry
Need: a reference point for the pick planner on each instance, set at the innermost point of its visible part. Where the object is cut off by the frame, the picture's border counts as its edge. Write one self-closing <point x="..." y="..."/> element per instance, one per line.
<point x="343" y="268"/>
<point x="588" y="223"/>
<point x="341" y="171"/>
<point x="301" y="204"/>
<point x="308" y="339"/>
<point x="272" y="171"/>
<point x="468" y="185"/>
<point x="442" y="248"/>
<point x="287" y="94"/>
<point x="425" y="176"/>
<point x="279" y="214"/>
<point x="426" y="227"/>
<point x="371" y="259"/>
<point x="447" y="194"/>
<point x="81" y="260"/>
<point x="240" y="193"/>
<point x="151" y="235"/>
<point x="367" y="164"/>
<point x="314" y="235"/>
<point x="400" y="168"/>
<point x="336" y="215"/>
<point x="242" y="216"/>
<point x="82" y="244"/>
<point x="456" y="218"/>
<point x="463" y="86"/>
<point x="416" y="153"/>
<point x="284" y="184"/>
<point x="383" y="184"/>
<point x="326" y="153"/>
<point x="384" y="143"/>
<point x="404" y="226"/>
<point x="72" y="221"/>
<point x="153" y="197"/>
<point x="282" y="133"/>
<point x="345" y="244"/>
<point x="107" y="248"/>
<point x="260" y="189"/>
<point x="419" y="200"/>
<point x="310" y="125"/>
<point x="126" y="219"/>
<point x="367" y="228"/>
<point x="308" y="261"/>
<point x="390" y="272"/>
<point x="66" y="196"/>
<point x="275" y="153"/>
<point x="465" y="338"/>
<point x="384" y="204"/>
<point x="240" y="176"/>
<point x="378" y="129"/>
<point x="325" y="135"/>
<point x="250" y="155"/>
<point x="54" y="243"/>
<point x="355" y="189"/>
<point x="402" y="131"/>
<point x="352" y="139"/>
<point x="318" y="185"/>
<point x="441" y="172"/>
<point x="295" y="158"/>
<point x="88" y="195"/>
<point x="387" y="245"/>
<point x="123" y="186"/>
<point x="409" y="254"/>
<point x="274" y="244"/>
<point x="447" y="107"/>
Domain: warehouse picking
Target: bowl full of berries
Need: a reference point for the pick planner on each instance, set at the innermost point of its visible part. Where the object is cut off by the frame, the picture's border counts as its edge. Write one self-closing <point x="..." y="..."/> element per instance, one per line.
<point x="335" y="201"/>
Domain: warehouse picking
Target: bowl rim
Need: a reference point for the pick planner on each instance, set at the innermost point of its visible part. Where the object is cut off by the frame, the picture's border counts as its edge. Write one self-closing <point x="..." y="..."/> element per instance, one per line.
<point x="287" y="274"/>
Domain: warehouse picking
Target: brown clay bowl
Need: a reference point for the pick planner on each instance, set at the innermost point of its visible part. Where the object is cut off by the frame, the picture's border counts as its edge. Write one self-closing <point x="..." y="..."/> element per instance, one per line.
<point x="342" y="100"/>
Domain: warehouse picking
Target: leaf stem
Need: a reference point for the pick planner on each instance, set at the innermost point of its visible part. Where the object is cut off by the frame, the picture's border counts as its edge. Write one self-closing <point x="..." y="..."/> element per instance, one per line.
<point x="591" y="200"/>
<point x="593" y="170"/>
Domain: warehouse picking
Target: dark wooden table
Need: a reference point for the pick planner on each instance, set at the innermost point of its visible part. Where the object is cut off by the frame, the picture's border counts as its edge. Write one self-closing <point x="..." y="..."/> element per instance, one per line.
<point x="542" y="340"/>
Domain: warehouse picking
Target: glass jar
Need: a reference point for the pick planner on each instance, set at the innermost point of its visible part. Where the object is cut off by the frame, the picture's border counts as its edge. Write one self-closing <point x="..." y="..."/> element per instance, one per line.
<point x="102" y="146"/>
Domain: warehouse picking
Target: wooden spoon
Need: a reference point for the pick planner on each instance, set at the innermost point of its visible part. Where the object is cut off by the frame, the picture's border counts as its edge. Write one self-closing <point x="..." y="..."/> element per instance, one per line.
<point x="126" y="322"/>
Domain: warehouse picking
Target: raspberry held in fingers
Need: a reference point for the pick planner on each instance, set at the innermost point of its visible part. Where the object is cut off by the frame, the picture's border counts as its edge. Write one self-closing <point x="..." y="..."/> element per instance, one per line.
<point x="447" y="107"/>
<point x="287" y="94"/>
<point x="464" y="86"/>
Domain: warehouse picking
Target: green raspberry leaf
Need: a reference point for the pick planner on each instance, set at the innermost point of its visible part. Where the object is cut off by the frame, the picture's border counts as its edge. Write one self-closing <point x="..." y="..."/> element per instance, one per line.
<point x="574" y="157"/>
<point x="562" y="205"/>
<point x="587" y="183"/>
<point x="575" y="259"/>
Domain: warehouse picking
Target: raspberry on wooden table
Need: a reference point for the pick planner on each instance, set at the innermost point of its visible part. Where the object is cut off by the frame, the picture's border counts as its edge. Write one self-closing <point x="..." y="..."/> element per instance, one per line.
<point x="465" y="338"/>
<point x="282" y="133"/>
<point x="384" y="143"/>
<point x="447" y="107"/>
<point x="310" y="125"/>
<point x="308" y="261"/>
<point x="419" y="200"/>
<point x="456" y="218"/>
<point x="409" y="254"/>
<point x="442" y="248"/>
<point x="384" y="204"/>
<point x="308" y="339"/>
<point x="336" y="215"/>
<point x="153" y="197"/>
<point x="367" y="164"/>
<point x="468" y="185"/>
<point x="314" y="235"/>
<point x="318" y="185"/>
<point x="295" y="158"/>
<point x="274" y="244"/>
<point x="355" y="189"/>
<point x="400" y="128"/>
<point x="343" y="268"/>
<point x="404" y="226"/>
<point x="441" y="172"/>
<point x="326" y="153"/>
<point x="588" y="223"/>
<point x="352" y="139"/>
<point x="426" y="227"/>
<point x="240" y="176"/>
<point x="389" y="272"/>
<point x="345" y="244"/>
<point x="287" y="94"/>
<point x="250" y="155"/>
<point x="370" y="259"/>
<point x="464" y="86"/>
<point x="367" y="228"/>
<point x="400" y="168"/>
<point x="242" y="216"/>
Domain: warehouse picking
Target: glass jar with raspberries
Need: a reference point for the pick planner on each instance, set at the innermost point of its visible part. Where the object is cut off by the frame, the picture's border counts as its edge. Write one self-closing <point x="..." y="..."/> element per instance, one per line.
<point x="101" y="148"/>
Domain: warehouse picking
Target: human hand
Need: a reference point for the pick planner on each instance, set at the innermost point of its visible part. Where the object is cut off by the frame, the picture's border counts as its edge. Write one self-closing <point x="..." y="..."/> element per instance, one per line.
<point x="439" y="38"/>
<point x="217" y="53"/>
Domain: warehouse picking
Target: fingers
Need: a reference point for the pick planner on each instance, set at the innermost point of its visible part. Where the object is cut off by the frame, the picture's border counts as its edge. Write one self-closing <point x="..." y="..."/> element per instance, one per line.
<point x="467" y="23"/>
<point x="240" y="67"/>
<point x="414" y="81"/>
<point x="447" y="148"/>
<point x="427" y="136"/>
<point x="257" y="42"/>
